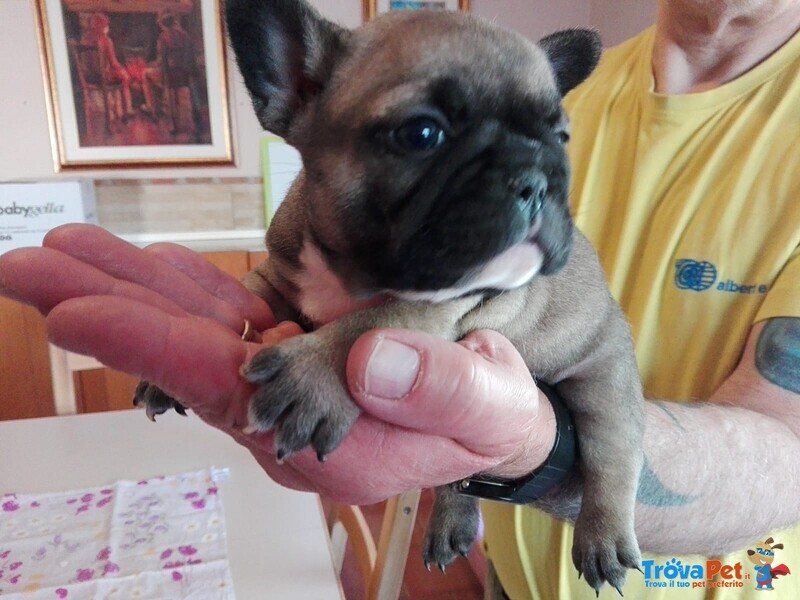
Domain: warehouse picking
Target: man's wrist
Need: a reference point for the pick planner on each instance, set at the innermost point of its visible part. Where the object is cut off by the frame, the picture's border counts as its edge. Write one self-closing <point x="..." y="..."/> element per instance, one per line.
<point x="537" y="483"/>
<point x="534" y="452"/>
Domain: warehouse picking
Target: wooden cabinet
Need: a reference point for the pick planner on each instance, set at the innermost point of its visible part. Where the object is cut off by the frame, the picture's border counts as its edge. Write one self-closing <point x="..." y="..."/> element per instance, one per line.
<point x="25" y="383"/>
<point x="104" y="389"/>
<point x="25" y="387"/>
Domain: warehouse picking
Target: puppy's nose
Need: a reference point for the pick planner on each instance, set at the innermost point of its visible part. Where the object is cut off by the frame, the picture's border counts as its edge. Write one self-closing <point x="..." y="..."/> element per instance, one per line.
<point x="530" y="190"/>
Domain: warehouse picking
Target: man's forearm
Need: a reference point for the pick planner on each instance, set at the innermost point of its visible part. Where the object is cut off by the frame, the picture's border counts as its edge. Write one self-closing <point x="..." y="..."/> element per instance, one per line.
<point x="706" y="467"/>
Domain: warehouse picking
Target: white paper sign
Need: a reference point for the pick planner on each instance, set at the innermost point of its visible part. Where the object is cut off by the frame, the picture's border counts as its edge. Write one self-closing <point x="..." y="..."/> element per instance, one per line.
<point x="281" y="164"/>
<point x="29" y="210"/>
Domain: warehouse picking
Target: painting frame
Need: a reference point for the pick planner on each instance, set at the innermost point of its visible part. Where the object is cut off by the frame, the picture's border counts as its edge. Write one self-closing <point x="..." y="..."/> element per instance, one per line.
<point x="72" y="150"/>
<point x="373" y="8"/>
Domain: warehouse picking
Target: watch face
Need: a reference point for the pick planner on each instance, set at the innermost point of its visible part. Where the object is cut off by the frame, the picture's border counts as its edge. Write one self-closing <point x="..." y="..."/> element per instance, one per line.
<point x="491" y="489"/>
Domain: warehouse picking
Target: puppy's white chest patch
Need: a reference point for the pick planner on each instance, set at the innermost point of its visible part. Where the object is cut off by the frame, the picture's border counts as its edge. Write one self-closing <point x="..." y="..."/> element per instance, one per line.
<point x="322" y="297"/>
<point x="511" y="269"/>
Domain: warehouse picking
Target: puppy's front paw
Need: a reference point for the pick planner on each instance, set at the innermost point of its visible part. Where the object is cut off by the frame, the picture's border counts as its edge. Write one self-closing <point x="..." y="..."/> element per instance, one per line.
<point x="155" y="401"/>
<point x="301" y="395"/>
<point x="452" y="528"/>
<point x="603" y="552"/>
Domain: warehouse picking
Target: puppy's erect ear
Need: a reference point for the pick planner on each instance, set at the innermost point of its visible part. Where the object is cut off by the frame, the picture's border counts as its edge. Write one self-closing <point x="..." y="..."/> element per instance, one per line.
<point x="574" y="53"/>
<point x="286" y="52"/>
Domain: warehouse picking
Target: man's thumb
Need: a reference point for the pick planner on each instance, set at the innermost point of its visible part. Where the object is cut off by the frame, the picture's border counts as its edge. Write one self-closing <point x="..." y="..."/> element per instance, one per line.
<point x="476" y="391"/>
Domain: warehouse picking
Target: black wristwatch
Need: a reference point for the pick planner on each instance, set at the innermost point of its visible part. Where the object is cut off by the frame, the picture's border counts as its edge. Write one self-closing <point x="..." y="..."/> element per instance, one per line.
<point x="555" y="469"/>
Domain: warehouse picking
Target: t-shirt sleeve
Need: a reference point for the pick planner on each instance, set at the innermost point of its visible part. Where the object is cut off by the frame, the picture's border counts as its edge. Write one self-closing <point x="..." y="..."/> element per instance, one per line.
<point x="783" y="299"/>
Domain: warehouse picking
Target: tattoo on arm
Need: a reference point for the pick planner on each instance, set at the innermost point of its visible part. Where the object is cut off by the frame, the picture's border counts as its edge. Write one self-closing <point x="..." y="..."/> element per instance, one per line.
<point x="653" y="492"/>
<point x="667" y="408"/>
<point x="663" y="406"/>
<point x="778" y="353"/>
<point x="565" y="502"/>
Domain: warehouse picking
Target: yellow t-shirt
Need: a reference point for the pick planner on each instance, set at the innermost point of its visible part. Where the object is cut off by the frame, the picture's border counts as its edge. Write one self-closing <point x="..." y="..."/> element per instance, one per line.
<point x="693" y="203"/>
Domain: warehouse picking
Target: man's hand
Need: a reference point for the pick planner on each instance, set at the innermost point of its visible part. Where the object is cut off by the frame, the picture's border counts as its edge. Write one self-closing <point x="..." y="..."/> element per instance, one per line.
<point x="435" y="411"/>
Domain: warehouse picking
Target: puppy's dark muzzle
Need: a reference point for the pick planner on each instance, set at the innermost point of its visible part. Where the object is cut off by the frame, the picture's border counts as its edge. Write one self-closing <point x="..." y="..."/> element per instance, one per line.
<point x="530" y="190"/>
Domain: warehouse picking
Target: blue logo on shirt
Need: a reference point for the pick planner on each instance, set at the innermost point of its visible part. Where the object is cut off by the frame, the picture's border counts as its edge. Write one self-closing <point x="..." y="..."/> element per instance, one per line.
<point x="699" y="276"/>
<point x="694" y="275"/>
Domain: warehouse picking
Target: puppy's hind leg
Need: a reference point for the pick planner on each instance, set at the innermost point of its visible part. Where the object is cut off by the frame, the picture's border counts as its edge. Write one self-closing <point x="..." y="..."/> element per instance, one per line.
<point x="452" y="528"/>
<point x="610" y="431"/>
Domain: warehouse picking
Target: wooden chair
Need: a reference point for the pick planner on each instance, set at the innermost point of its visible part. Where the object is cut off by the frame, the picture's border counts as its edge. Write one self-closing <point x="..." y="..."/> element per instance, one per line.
<point x="382" y="565"/>
<point x="63" y="365"/>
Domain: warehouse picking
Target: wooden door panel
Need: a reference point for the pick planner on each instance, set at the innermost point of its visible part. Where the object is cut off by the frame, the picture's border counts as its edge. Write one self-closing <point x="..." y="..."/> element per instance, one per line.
<point x="102" y="390"/>
<point x="256" y="258"/>
<point x="233" y="263"/>
<point x="25" y="385"/>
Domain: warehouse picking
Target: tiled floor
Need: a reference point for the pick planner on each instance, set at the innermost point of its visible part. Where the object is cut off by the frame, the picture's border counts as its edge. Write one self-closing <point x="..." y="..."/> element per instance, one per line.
<point x="458" y="583"/>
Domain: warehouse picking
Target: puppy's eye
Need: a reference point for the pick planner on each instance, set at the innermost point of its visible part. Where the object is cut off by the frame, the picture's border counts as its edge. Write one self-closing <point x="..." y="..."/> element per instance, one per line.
<point x="562" y="137"/>
<point x="419" y="134"/>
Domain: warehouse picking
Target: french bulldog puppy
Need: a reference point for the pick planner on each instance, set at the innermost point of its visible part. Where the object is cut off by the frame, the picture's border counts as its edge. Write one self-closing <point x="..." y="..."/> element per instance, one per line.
<point x="434" y="196"/>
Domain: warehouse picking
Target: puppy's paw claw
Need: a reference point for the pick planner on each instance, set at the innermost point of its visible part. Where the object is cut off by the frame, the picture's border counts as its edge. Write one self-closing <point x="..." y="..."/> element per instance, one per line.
<point x="444" y="542"/>
<point x="155" y="401"/>
<point x="600" y="558"/>
<point x="300" y="396"/>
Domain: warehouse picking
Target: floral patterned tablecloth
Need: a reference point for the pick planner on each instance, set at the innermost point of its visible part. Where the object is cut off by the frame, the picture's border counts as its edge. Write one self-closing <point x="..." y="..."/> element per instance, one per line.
<point x="161" y="538"/>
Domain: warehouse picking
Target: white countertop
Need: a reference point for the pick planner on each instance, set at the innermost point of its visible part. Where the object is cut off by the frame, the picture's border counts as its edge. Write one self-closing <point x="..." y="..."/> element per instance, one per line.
<point x="277" y="539"/>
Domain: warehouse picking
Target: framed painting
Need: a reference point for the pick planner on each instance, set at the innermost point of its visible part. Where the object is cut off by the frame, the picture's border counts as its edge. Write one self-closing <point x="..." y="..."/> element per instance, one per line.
<point x="372" y="8"/>
<point x="135" y="83"/>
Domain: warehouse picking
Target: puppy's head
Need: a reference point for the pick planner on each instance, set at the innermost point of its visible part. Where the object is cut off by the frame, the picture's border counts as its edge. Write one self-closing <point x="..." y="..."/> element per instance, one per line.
<point x="432" y="142"/>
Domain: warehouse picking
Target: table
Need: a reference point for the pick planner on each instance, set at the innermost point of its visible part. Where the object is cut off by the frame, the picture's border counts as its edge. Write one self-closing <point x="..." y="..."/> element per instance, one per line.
<point x="277" y="539"/>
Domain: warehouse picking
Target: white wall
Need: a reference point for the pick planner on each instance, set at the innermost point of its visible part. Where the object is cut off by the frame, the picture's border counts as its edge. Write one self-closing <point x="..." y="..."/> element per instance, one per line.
<point x="24" y="135"/>
<point x="618" y="20"/>
<point x="535" y="18"/>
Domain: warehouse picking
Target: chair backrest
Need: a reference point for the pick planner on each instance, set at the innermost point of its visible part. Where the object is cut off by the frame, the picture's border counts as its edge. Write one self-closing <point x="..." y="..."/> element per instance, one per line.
<point x="63" y="364"/>
<point x="382" y="565"/>
<point x="88" y="63"/>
